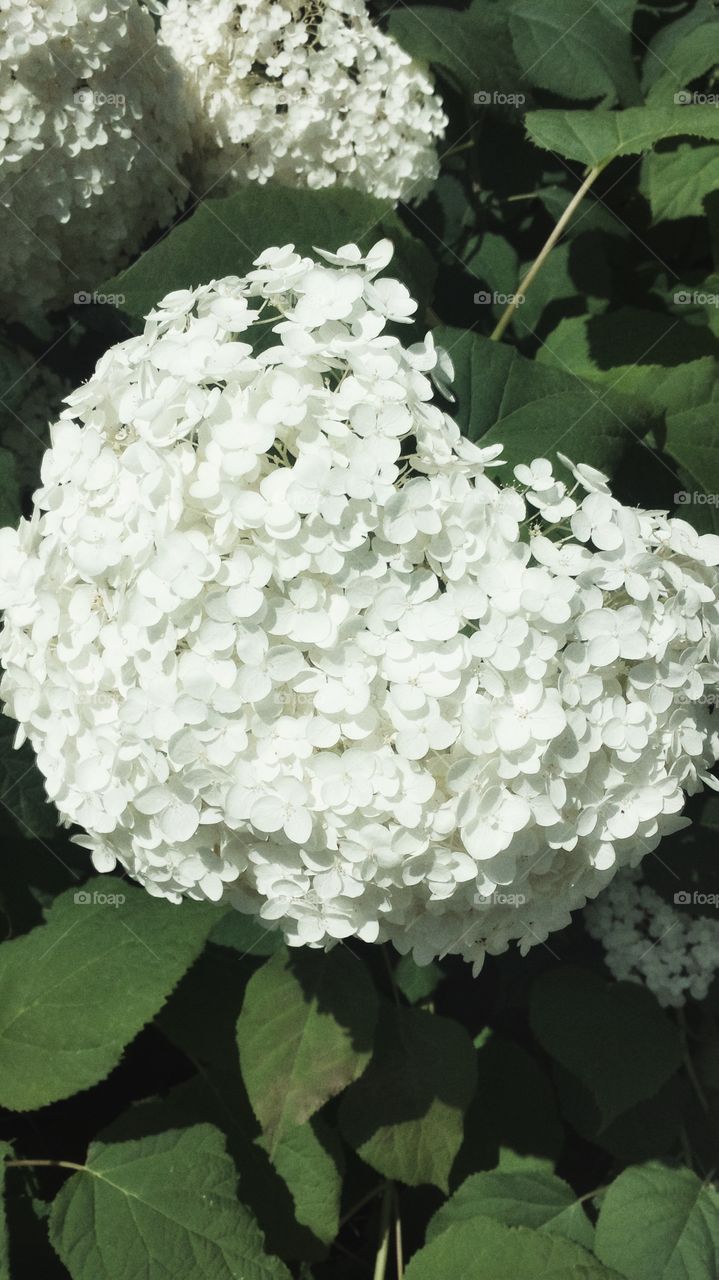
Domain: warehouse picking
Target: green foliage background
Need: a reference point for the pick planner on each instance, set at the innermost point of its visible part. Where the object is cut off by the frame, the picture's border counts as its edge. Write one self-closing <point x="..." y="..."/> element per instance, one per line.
<point x="181" y="1095"/>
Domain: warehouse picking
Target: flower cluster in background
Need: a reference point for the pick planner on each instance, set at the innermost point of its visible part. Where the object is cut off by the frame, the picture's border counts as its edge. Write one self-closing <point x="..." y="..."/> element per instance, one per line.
<point x="647" y="940"/>
<point x="309" y="93"/>
<point x="93" y="135"/>
<point x="105" y="124"/>
<point x="276" y="636"/>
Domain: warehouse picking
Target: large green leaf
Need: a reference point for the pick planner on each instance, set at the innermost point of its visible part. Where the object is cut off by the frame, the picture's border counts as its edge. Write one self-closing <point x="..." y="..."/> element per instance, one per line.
<point x="677" y="182"/>
<point x="692" y="439"/>
<point x="637" y="1049"/>
<point x="658" y="1223"/>
<point x="596" y="137"/>
<point x="294" y="1193"/>
<point x="502" y="397"/>
<point x="405" y="1115"/>
<point x="309" y="1159"/>
<point x="659" y="358"/>
<point x="523" y="1117"/>
<point x="518" y="1197"/>
<point x="482" y="1249"/>
<point x="223" y="237"/>
<point x="162" y="1206"/>
<point x="304" y="1033"/>
<point x="472" y="46"/>
<point x="76" y="990"/>
<point x="691" y="56"/>
<point x="9" y="489"/>
<point x="576" y="49"/>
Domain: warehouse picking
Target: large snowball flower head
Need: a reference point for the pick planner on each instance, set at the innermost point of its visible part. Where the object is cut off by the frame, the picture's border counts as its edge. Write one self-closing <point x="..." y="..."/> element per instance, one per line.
<point x="91" y="139"/>
<point x="278" y="638"/>
<point x="309" y="93"/>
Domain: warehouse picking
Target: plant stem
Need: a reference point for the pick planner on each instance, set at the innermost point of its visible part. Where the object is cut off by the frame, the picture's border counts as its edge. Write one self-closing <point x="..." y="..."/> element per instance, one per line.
<point x="545" y="251"/>
<point x="398" y="1249"/>
<point x="57" y="1164"/>
<point x="380" y="1266"/>
<point x="360" y="1204"/>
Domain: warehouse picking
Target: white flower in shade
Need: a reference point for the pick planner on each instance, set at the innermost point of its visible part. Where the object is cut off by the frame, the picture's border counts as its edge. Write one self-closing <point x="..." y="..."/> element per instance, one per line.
<point x="310" y="94"/>
<point x="93" y="133"/>
<point x="278" y="639"/>
<point x="653" y="942"/>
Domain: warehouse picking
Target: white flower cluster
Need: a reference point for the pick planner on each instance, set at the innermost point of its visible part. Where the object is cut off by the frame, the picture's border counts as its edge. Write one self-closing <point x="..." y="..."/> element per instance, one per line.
<point x="92" y="134"/>
<point x="277" y="637"/>
<point x="308" y="91"/>
<point x="648" y="941"/>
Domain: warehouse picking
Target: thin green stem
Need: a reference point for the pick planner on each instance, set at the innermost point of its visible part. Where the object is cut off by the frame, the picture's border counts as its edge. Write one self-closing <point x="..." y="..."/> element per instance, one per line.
<point x="380" y="1266"/>
<point x="398" y="1246"/>
<point x="545" y="251"/>
<point x="58" y="1164"/>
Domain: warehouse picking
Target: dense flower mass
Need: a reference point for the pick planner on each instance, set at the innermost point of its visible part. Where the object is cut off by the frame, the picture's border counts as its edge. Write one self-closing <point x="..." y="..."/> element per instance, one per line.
<point x="92" y="135"/>
<point x="277" y="637"/>
<point x="310" y="93"/>
<point x="647" y="940"/>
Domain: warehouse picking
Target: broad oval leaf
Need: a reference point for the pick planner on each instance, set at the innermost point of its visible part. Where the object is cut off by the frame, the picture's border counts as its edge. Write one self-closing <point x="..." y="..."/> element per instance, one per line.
<point x="161" y="1206"/>
<point x="660" y="1224"/>
<point x="482" y="1249"/>
<point x="77" y="989"/>
<point x="304" y="1033"/>
<point x="405" y="1117"/>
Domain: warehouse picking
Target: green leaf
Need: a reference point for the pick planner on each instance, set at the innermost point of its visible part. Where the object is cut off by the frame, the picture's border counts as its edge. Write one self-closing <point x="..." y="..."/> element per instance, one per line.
<point x="692" y="440"/>
<point x="405" y="1116"/>
<point x="677" y="182"/>
<point x="613" y="1037"/>
<point x="417" y="982"/>
<point x="519" y="1197"/>
<point x="657" y="1223"/>
<point x="10" y="511"/>
<point x="304" y="1034"/>
<point x="161" y="1206"/>
<point x="596" y="137"/>
<point x="76" y="990"/>
<point x="650" y="354"/>
<point x="471" y="46"/>
<point x="246" y="934"/>
<point x="22" y="789"/>
<point x="502" y="397"/>
<point x="310" y="1161"/>
<point x="690" y="57"/>
<point x="223" y="237"/>
<point x="480" y="1249"/>
<point x="294" y="1196"/>
<point x="575" y="49"/>
<point x="523" y="1116"/>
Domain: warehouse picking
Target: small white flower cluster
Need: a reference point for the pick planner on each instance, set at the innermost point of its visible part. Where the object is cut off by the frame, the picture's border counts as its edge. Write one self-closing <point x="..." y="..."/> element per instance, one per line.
<point x="93" y="131"/>
<point x="650" y="942"/>
<point x="277" y="638"/>
<point x="308" y="91"/>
